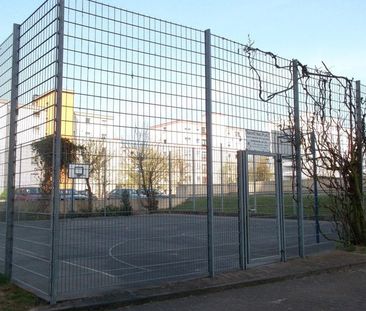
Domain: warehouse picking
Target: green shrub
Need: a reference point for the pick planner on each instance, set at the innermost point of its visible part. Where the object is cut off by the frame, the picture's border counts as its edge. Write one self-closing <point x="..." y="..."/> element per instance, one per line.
<point x="113" y="210"/>
<point x="3" y="195"/>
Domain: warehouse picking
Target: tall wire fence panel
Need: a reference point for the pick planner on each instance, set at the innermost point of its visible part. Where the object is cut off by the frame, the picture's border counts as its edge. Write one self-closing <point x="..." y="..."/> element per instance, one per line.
<point x="363" y="97"/>
<point x="5" y="97"/>
<point x="128" y="160"/>
<point x="324" y="125"/>
<point x="134" y="110"/>
<point x="31" y="263"/>
<point x="239" y="112"/>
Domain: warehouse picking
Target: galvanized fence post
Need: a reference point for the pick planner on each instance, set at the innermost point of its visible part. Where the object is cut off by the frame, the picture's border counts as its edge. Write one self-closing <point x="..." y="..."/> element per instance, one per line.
<point x="12" y="154"/>
<point x="281" y="214"/>
<point x="170" y="180"/>
<point x="209" y="158"/>
<point x="315" y="188"/>
<point x="194" y="180"/>
<point x="105" y="179"/>
<point x="299" y="201"/>
<point x="242" y="184"/>
<point x="359" y="133"/>
<point x="221" y="179"/>
<point x="254" y="184"/>
<point x="55" y="228"/>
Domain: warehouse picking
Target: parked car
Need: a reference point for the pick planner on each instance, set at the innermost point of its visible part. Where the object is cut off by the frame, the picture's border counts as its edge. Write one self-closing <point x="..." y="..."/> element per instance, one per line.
<point x="86" y="193"/>
<point x="118" y="193"/>
<point x="29" y="194"/>
<point x="69" y="194"/>
<point x="155" y="192"/>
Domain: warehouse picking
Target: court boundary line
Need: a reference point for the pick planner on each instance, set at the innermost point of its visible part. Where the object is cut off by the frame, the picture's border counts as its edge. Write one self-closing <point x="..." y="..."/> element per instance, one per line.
<point x="88" y="268"/>
<point x="122" y="261"/>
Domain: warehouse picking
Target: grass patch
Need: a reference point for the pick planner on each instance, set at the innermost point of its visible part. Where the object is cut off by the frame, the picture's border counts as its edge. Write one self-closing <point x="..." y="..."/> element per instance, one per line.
<point x="13" y="298"/>
<point x="360" y="249"/>
<point x="264" y="203"/>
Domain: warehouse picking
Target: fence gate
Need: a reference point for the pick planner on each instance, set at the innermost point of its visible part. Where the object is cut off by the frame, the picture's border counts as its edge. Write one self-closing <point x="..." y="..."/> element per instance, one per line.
<point x="261" y="215"/>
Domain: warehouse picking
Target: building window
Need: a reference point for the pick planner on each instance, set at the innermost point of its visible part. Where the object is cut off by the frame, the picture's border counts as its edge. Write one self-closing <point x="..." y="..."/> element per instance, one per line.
<point x="204" y="155"/>
<point x="203" y="130"/>
<point x="87" y="120"/>
<point x="164" y="141"/>
<point x="203" y="142"/>
<point x="36" y="130"/>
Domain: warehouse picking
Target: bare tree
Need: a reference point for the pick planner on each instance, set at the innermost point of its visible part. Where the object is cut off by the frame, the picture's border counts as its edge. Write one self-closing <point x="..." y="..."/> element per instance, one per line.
<point x="95" y="154"/>
<point x="147" y="168"/>
<point x="182" y="168"/>
<point x="229" y="172"/>
<point x="262" y="170"/>
<point x="331" y="121"/>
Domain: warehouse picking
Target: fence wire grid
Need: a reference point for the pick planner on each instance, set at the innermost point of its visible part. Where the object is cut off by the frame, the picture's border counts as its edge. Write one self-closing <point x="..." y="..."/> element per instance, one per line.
<point x="123" y="168"/>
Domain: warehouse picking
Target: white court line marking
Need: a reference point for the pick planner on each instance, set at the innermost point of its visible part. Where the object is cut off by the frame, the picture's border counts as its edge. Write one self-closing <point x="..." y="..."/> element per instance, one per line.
<point x="121" y="261"/>
<point x="87" y="268"/>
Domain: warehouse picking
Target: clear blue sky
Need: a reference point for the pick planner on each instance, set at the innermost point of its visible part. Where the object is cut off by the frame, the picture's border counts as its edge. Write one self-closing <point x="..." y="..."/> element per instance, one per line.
<point x="312" y="31"/>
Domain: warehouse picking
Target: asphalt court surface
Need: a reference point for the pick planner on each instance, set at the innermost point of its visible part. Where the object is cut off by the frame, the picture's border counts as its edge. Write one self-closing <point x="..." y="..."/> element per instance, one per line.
<point x="115" y="251"/>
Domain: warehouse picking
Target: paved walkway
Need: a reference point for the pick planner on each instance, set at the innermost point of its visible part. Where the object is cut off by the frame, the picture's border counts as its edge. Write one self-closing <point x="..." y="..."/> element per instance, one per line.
<point x="292" y="269"/>
<point x="342" y="290"/>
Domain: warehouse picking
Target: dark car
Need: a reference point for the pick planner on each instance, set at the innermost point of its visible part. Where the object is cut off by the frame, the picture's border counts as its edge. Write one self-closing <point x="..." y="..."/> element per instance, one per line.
<point x="154" y="192"/>
<point x="118" y="194"/>
<point x="29" y="194"/>
<point x="86" y="193"/>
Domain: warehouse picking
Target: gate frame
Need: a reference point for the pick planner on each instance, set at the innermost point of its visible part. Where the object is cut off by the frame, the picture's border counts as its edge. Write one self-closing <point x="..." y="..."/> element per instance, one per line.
<point x="243" y="193"/>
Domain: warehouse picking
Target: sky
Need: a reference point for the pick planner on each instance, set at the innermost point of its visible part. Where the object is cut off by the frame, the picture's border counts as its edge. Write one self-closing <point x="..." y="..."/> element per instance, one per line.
<point x="311" y="31"/>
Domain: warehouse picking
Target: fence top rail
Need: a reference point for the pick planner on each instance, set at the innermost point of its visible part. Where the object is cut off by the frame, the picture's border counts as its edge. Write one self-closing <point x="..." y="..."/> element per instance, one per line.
<point x="242" y="46"/>
<point x="142" y="15"/>
<point x="9" y="37"/>
<point x="36" y="11"/>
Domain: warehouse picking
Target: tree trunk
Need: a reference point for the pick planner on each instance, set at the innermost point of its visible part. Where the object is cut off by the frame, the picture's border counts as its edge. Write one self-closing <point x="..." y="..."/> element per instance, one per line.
<point x="90" y="196"/>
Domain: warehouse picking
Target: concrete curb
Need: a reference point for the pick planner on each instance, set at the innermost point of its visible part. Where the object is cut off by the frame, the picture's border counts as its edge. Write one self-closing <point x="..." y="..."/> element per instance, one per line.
<point x="293" y="269"/>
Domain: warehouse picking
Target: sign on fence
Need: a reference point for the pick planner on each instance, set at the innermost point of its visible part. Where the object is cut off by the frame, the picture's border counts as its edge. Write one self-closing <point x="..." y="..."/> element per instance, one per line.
<point x="258" y="140"/>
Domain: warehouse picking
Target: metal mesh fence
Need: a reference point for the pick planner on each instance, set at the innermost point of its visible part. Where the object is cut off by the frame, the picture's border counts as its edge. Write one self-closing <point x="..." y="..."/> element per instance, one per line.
<point x="135" y="105"/>
<point x="135" y="175"/>
<point x="35" y="121"/>
<point x="323" y="111"/>
<point x="363" y="98"/>
<point x="5" y="96"/>
<point x="238" y="109"/>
